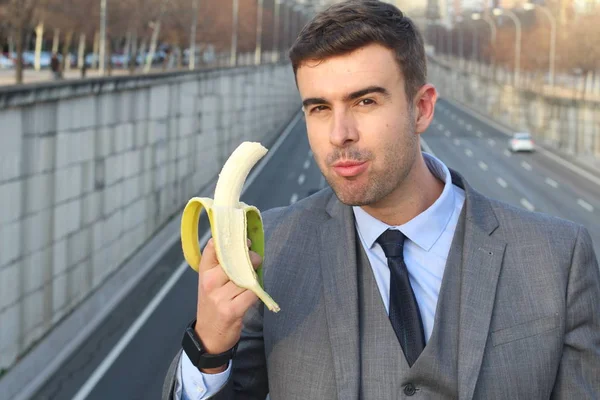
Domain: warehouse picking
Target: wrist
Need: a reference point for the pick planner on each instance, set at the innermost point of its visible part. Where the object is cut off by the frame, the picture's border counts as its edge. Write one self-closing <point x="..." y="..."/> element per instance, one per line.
<point x="217" y="370"/>
<point x="209" y="346"/>
<point x="200" y="356"/>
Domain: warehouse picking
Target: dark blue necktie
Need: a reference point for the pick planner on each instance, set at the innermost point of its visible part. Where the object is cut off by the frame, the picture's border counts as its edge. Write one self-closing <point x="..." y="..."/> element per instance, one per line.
<point x="404" y="311"/>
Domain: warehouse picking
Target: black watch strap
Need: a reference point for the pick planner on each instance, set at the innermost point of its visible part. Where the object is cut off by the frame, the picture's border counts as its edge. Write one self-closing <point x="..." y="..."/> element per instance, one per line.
<point x="197" y="354"/>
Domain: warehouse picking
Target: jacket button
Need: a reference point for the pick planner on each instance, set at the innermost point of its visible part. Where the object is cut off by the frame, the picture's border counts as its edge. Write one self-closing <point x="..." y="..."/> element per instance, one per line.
<point x="410" y="389"/>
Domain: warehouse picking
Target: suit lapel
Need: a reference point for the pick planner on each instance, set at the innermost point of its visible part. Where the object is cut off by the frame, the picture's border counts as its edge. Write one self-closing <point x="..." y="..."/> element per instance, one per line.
<point x="339" y="269"/>
<point x="482" y="261"/>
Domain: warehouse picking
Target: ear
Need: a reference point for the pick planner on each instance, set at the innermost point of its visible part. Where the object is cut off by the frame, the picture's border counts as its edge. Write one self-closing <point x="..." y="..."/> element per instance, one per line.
<point x="424" y="105"/>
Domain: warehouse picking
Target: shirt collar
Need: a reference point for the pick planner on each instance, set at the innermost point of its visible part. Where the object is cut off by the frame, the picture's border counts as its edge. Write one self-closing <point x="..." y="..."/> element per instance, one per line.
<point x="424" y="229"/>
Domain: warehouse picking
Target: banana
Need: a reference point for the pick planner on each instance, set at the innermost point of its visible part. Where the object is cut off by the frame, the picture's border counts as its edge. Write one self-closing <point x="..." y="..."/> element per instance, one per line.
<point x="231" y="221"/>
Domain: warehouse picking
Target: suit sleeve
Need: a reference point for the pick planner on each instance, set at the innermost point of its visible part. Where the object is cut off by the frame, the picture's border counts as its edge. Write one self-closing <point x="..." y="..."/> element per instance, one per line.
<point x="578" y="376"/>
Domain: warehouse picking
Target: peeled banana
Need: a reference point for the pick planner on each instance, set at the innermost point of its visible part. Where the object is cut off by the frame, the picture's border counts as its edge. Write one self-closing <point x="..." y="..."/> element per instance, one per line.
<point x="231" y="222"/>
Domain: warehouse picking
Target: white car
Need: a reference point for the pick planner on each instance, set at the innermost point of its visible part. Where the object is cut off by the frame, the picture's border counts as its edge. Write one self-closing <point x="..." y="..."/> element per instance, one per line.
<point x="6" y="63"/>
<point x="521" y="141"/>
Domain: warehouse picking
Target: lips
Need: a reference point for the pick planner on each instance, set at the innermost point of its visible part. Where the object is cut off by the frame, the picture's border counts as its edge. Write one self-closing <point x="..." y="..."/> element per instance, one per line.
<point x="348" y="169"/>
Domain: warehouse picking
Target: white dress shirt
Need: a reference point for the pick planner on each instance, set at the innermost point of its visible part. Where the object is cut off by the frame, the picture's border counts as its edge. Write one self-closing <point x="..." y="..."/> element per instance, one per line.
<point x="428" y="239"/>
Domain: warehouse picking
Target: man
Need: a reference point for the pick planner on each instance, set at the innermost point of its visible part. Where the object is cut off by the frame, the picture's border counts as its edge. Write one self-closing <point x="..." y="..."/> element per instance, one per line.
<point x="401" y="280"/>
<point x="55" y="66"/>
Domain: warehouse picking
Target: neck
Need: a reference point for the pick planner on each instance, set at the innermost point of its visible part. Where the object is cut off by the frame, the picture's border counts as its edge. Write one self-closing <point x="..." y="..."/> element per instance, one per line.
<point x="419" y="190"/>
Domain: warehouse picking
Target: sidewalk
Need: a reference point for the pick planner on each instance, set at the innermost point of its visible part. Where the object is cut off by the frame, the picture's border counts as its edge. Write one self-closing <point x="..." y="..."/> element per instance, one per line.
<point x="7" y="76"/>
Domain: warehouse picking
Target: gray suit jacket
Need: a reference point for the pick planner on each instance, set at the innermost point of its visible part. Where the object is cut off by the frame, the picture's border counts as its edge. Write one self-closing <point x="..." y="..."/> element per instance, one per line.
<point x="529" y="316"/>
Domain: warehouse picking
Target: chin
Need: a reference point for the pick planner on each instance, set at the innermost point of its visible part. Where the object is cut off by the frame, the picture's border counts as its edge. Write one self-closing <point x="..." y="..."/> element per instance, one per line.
<point x="352" y="197"/>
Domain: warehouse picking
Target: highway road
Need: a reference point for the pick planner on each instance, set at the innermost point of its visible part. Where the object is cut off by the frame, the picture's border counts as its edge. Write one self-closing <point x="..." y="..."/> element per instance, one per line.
<point x="533" y="181"/>
<point x="121" y="362"/>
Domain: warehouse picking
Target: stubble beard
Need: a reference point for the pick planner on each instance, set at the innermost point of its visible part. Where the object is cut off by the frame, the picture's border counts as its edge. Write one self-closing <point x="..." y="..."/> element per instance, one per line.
<point x="377" y="185"/>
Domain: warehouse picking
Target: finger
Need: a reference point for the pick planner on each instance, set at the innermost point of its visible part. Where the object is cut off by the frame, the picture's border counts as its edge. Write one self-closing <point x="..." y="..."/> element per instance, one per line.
<point x="242" y="302"/>
<point x="215" y="278"/>
<point x="209" y="257"/>
<point x="212" y="279"/>
<point x="230" y="290"/>
<point x="255" y="259"/>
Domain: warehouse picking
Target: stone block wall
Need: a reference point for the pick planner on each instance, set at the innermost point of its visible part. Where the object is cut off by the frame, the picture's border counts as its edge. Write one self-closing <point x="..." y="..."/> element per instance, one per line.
<point x="89" y="170"/>
<point x="566" y="124"/>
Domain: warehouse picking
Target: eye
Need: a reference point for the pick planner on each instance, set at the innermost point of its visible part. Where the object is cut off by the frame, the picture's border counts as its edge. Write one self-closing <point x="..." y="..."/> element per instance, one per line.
<point x="366" y="102"/>
<point x="318" y="109"/>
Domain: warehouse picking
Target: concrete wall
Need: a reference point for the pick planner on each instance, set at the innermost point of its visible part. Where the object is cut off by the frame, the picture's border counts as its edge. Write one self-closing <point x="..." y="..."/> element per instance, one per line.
<point x="569" y="125"/>
<point x="90" y="170"/>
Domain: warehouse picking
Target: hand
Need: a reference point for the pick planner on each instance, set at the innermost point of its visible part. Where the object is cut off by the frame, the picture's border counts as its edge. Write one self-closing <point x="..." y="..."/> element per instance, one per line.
<point x="221" y="305"/>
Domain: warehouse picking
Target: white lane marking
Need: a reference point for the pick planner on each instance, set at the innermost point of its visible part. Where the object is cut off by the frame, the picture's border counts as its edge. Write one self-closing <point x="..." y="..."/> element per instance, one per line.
<point x="483" y="166"/>
<point x="89" y="385"/>
<point x="552" y="182"/>
<point x="310" y="153"/>
<point x="425" y="147"/>
<point x="447" y="133"/>
<point x="525" y="203"/>
<point x="294" y="198"/>
<point x="93" y="380"/>
<point x="526" y="165"/>
<point x="585" y="205"/>
<point x="502" y="182"/>
<point x="541" y="150"/>
<point x="306" y="164"/>
<point x="468" y="152"/>
<point x="469" y="127"/>
<point x="461" y="122"/>
<point x="507" y="153"/>
<point x="479" y="134"/>
<point x="301" y="179"/>
<point x="570" y="166"/>
<point x="456" y="142"/>
<point x="492" y="142"/>
<point x="440" y="127"/>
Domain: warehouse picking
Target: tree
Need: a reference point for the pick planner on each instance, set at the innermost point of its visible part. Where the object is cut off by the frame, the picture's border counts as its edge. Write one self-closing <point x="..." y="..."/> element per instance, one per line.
<point x="579" y="50"/>
<point x="21" y="15"/>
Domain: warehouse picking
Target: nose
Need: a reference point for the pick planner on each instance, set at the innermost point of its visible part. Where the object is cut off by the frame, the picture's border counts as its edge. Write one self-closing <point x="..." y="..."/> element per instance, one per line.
<point x="343" y="129"/>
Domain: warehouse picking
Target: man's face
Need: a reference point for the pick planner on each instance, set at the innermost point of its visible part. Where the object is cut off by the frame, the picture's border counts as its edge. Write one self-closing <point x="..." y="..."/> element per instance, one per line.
<point x="361" y="126"/>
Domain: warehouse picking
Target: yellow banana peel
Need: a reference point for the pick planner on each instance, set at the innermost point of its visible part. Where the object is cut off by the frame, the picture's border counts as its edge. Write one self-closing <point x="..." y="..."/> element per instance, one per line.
<point x="231" y="222"/>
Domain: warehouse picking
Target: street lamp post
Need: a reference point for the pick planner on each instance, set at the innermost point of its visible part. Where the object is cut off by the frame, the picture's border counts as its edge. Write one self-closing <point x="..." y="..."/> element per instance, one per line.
<point x="449" y="44"/>
<point x="461" y="53"/>
<point x="286" y="27"/>
<point x="259" y="17"/>
<point x="515" y="19"/>
<point x="102" y="51"/>
<point x="492" y="25"/>
<point x="276" y="32"/>
<point x="530" y="6"/>
<point x="475" y="52"/>
<point x="192" y="50"/>
<point x="234" y="34"/>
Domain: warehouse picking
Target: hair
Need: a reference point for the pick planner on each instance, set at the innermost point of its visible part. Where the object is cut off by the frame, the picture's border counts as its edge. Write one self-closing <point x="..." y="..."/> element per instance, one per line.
<point x="347" y="26"/>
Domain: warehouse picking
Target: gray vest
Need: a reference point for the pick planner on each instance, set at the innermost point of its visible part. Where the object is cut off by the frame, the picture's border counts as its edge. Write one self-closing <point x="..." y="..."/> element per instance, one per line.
<point x="385" y="373"/>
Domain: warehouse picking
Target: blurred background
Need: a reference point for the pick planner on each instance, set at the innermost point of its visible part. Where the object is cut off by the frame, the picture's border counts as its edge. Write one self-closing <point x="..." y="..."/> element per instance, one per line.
<point x="114" y="113"/>
<point x="99" y="38"/>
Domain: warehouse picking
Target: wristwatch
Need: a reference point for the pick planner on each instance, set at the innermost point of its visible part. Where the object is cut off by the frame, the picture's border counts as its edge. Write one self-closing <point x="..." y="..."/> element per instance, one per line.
<point x="197" y="354"/>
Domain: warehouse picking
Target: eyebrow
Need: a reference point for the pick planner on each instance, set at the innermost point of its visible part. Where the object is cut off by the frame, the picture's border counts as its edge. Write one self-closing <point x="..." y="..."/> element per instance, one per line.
<point x="351" y="96"/>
